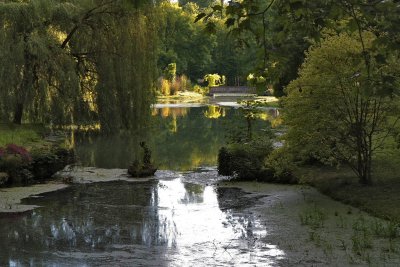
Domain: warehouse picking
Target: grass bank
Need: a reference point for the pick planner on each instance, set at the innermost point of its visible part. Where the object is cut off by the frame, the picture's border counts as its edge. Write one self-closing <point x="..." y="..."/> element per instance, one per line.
<point x="382" y="199"/>
<point x="182" y="97"/>
<point x="22" y="135"/>
<point x="29" y="153"/>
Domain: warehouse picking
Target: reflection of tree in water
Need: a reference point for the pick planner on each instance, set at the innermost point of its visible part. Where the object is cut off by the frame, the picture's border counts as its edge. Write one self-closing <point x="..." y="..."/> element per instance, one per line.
<point x="178" y="142"/>
<point x="170" y="112"/>
<point x="233" y="201"/>
<point x="109" y="151"/>
<point x="214" y="112"/>
<point x="195" y="143"/>
<point x="194" y="193"/>
<point x="87" y="219"/>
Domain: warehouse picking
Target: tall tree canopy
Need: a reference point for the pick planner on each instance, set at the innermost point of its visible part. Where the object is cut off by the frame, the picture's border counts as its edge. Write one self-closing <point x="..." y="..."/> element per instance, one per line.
<point x="63" y="60"/>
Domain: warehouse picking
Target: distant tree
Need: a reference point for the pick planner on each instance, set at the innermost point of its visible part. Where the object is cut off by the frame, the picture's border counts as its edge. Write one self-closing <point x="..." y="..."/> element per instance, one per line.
<point x="183" y="42"/>
<point x="170" y="72"/>
<point x="213" y="79"/>
<point x="200" y="3"/>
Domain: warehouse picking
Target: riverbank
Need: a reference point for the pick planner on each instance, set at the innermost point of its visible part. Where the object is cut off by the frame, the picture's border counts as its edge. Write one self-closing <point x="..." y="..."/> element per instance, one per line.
<point x="31" y="153"/>
<point x="183" y="97"/>
<point x="314" y="230"/>
<point x="11" y="197"/>
<point x="381" y="199"/>
<point x="193" y="97"/>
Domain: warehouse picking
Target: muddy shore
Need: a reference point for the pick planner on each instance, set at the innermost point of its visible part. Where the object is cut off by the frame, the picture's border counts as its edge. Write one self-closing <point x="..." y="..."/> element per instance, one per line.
<point x="10" y="198"/>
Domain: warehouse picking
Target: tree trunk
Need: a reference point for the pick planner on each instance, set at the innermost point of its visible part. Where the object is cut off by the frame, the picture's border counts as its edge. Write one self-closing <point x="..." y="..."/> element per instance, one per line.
<point x="249" y="129"/>
<point x="365" y="176"/>
<point x="365" y="166"/>
<point x="26" y="83"/>
<point x="19" y="110"/>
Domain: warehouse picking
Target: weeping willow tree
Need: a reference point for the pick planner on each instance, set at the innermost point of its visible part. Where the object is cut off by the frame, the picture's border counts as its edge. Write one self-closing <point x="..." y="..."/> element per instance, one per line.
<point x="129" y="68"/>
<point x="77" y="62"/>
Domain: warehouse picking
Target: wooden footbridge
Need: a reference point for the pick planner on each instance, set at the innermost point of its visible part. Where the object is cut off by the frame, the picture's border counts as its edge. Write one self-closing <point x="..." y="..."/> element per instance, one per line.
<point x="232" y="91"/>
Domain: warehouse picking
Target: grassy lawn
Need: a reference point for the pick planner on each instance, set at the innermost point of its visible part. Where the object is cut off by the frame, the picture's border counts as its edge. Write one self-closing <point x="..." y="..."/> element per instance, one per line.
<point x="381" y="199"/>
<point x="23" y="135"/>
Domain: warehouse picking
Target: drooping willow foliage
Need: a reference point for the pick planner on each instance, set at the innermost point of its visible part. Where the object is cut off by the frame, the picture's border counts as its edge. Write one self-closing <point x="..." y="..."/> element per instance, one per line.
<point x="77" y="62"/>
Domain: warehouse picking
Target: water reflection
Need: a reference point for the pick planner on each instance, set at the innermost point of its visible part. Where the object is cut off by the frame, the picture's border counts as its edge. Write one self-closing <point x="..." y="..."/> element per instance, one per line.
<point x="182" y="138"/>
<point x="165" y="223"/>
<point x="170" y="112"/>
<point x="214" y="112"/>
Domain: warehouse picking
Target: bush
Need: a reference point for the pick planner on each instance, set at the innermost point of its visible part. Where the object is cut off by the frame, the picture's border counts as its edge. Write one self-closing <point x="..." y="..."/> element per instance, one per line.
<point x="11" y="163"/>
<point x="46" y="163"/>
<point x="282" y="165"/>
<point x="255" y="161"/>
<point x="165" y="87"/>
<point x="186" y="85"/>
<point x="245" y="161"/>
<point x="13" y="149"/>
<point x="178" y="84"/>
<point x="14" y="160"/>
<point x="23" y="167"/>
<point x="201" y="90"/>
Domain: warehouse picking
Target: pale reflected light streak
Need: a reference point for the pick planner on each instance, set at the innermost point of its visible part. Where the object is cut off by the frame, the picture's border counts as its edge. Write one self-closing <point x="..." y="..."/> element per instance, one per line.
<point x="200" y="231"/>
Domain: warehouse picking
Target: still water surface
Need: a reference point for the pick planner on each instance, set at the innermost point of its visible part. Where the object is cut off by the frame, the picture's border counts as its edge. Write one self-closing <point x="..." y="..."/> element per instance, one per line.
<point x="171" y="222"/>
<point x="177" y="219"/>
<point x="182" y="137"/>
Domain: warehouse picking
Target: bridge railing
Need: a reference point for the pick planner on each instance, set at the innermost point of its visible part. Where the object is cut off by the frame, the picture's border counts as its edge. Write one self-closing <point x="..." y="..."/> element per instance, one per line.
<point x="232" y="90"/>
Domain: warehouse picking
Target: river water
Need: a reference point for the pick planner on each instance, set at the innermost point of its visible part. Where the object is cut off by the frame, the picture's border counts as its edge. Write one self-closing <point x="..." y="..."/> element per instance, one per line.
<point x="186" y="215"/>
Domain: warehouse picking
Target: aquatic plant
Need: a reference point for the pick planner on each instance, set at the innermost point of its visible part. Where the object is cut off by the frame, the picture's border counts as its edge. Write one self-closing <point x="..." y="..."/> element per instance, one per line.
<point x="314" y="218"/>
<point x="385" y="229"/>
<point x="361" y="242"/>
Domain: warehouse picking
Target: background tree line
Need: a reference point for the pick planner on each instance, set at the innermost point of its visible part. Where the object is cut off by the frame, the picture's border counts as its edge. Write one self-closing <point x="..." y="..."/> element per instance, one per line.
<point x="83" y="62"/>
<point x="334" y="61"/>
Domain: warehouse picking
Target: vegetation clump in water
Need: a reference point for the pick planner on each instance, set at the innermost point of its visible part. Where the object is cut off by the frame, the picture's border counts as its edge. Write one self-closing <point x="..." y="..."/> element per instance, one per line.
<point x="144" y="169"/>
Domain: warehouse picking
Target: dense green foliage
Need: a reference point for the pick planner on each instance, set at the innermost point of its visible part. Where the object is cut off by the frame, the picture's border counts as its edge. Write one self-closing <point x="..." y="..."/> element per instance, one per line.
<point x="252" y="161"/>
<point x="245" y="161"/>
<point x="195" y="51"/>
<point x="85" y="62"/>
<point x="284" y="29"/>
<point x="345" y="105"/>
<point x="342" y="102"/>
<point x="76" y="61"/>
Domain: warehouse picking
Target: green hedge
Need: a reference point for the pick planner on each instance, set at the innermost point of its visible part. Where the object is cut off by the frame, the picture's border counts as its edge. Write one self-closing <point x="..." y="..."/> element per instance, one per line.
<point x="249" y="162"/>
